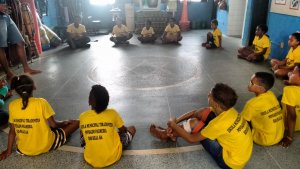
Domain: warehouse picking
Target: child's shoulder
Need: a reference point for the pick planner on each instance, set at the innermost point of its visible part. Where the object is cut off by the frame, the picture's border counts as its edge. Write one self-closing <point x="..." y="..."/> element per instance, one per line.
<point x="291" y="89"/>
<point x="92" y="112"/>
<point x="266" y="37"/>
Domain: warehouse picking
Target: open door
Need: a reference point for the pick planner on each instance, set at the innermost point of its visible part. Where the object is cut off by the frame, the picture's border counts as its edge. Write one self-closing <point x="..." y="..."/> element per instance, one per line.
<point x="259" y="16"/>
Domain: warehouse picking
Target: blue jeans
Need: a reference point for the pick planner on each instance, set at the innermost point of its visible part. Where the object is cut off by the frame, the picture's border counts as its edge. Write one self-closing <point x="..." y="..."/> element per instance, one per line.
<point x="9" y="32"/>
<point x="215" y="150"/>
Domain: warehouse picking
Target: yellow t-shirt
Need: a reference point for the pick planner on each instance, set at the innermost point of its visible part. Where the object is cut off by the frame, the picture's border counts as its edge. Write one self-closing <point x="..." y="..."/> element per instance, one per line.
<point x="72" y="29"/>
<point x="216" y="33"/>
<point x="147" y="32"/>
<point x="266" y="117"/>
<point x="291" y="97"/>
<point x="260" y="44"/>
<point x="34" y="135"/>
<point x="175" y="29"/>
<point x="103" y="145"/>
<point x="120" y="31"/>
<point x="293" y="57"/>
<point x="234" y="135"/>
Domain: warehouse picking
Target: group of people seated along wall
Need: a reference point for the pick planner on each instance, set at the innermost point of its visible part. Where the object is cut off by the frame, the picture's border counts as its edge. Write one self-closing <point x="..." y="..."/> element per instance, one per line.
<point x="224" y="133"/>
<point x="77" y="38"/>
<point x="260" y="51"/>
<point x="121" y="35"/>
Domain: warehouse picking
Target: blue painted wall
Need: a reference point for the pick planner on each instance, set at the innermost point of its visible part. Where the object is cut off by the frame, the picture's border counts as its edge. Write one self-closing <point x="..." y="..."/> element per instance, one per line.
<point x="51" y="19"/>
<point x="222" y="17"/>
<point x="247" y="24"/>
<point x="197" y="11"/>
<point x="280" y="27"/>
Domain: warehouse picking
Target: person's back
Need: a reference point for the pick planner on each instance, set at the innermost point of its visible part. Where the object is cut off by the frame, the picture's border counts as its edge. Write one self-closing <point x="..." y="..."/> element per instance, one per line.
<point x="30" y="121"/>
<point x="99" y="126"/>
<point x="232" y="132"/>
<point x="264" y="111"/>
<point x="32" y="129"/>
<point x="103" y="145"/>
<point x="266" y="118"/>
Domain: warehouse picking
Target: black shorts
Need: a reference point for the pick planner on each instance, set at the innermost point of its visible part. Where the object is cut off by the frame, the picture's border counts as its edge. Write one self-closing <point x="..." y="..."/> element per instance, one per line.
<point x="60" y="138"/>
<point x="126" y="139"/>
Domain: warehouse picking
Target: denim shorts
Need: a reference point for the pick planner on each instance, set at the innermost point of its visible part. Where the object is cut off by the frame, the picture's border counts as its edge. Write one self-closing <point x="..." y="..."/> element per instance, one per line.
<point x="9" y="32"/>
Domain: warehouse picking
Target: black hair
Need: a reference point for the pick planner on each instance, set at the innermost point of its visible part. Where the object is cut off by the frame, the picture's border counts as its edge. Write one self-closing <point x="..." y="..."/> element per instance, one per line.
<point x="101" y="98"/>
<point x="214" y="21"/>
<point x="264" y="28"/>
<point x="148" y="22"/>
<point x="297" y="36"/>
<point x="225" y="95"/>
<point x="172" y="19"/>
<point x="266" y="80"/>
<point x="24" y="86"/>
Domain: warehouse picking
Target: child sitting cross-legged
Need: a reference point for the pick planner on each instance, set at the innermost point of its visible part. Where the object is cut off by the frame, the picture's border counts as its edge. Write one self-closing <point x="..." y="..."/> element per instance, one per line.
<point x="147" y="34"/>
<point x="282" y="68"/>
<point x="120" y="33"/>
<point x="261" y="47"/>
<point x="172" y="33"/>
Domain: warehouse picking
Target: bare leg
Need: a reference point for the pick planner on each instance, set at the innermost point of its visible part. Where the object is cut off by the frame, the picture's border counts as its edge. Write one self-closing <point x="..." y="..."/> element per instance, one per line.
<point x="131" y="130"/>
<point x="71" y="127"/>
<point x="162" y="133"/>
<point x="4" y="63"/>
<point x="22" y="56"/>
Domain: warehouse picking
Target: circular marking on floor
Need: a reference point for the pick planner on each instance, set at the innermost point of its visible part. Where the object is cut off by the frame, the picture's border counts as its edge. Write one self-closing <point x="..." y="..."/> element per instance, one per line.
<point x="144" y="73"/>
<point x="175" y="150"/>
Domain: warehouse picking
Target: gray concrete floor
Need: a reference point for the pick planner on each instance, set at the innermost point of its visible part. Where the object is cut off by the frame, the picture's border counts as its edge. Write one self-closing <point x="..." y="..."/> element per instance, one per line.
<point x="148" y="84"/>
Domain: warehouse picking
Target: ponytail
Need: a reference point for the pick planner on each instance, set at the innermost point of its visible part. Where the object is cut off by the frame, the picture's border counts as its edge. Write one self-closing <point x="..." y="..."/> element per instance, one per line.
<point x="24" y="86"/>
<point x="25" y="97"/>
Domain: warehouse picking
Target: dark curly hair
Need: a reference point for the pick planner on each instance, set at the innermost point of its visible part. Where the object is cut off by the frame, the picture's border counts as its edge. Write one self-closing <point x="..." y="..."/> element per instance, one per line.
<point x="224" y="95"/>
<point x="101" y="98"/>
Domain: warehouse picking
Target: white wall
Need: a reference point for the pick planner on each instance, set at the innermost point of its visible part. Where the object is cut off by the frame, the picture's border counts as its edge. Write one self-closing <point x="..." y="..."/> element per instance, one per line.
<point x="236" y="17"/>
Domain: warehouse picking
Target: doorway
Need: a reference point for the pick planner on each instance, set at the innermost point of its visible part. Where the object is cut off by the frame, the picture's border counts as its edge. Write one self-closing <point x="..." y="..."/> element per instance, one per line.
<point x="259" y="16"/>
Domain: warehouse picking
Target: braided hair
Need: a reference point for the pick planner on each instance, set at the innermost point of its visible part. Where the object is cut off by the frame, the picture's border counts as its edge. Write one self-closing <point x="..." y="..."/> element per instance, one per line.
<point x="24" y="86"/>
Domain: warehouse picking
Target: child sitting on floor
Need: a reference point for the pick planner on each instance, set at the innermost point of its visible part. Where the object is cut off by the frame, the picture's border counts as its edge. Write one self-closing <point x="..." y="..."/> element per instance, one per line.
<point x="120" y="33"/>
<point x="282" y="68"/>
<point x="263" y="111"/>
<point x="172" y="33"/>
<point x="147" y="34"/>
<point x="103" y="144"/>
<point x="226" y="136"/>
<point x="214" y="39"/>
<point x="261" y="47"/>
<point x="32" y="125"/>
<point x="291" y="106"/>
